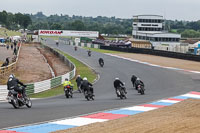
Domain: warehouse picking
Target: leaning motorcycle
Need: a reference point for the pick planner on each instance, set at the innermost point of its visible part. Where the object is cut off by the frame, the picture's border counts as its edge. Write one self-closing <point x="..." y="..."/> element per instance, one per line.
<point x="89" y="53"/>
<point x="140" y="89"/>
<point x="101" y="63"/>
<point x="68" y="91"/>
<point x="17" y="100"/>
<point x="121" y="92"/>
<point x="89" y="95"/>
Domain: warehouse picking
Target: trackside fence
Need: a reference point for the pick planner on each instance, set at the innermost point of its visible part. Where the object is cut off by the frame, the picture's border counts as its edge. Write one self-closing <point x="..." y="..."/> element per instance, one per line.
<point x="37" y="87"/>
<point x="138" y="50"/>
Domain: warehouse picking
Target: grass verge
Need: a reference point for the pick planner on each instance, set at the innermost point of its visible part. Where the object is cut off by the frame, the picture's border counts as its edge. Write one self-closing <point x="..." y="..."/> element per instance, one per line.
<point x="103" y="51"/>
<point x="81" y="69"/>
<point x="5" y="32"/>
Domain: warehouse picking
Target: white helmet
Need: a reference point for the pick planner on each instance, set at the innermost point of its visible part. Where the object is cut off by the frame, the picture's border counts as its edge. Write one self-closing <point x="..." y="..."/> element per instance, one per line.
<point x="116" y="78"/>
<point x="12" y="76"/>
<point x="84" y="78"/>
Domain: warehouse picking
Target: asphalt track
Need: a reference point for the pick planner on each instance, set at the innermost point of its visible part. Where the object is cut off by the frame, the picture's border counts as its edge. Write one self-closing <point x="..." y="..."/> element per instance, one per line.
<point x="160" y="83"/>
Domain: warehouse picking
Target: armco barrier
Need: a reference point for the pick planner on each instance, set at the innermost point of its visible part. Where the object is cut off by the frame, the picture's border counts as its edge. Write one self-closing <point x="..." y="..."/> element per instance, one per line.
<point x="155" y="52"/>
<point x="46" y="84"/>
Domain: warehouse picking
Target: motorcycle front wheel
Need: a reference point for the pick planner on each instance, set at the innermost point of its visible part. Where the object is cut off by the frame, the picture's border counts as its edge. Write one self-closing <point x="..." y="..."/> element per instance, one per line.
<point x="28" y="102"/>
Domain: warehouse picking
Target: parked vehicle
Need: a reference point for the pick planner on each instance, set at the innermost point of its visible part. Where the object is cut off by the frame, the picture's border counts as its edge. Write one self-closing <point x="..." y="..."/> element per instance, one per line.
<point x="17" y="100"/>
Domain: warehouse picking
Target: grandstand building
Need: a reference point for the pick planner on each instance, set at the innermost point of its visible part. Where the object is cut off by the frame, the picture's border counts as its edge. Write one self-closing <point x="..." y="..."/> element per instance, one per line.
<point x="152" y="28"/>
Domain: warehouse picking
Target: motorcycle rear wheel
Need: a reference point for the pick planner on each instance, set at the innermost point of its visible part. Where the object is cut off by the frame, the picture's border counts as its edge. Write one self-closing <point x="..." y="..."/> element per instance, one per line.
<point x="142" y="92"/>
<point x="15" y="103"/>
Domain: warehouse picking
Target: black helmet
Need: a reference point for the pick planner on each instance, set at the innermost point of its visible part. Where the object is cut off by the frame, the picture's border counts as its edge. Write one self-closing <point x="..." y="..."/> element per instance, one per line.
<point x="66" y="79"/>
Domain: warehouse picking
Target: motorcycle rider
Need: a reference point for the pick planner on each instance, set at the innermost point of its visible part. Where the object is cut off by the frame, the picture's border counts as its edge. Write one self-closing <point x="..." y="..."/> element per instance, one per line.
<point x="13" y="83"/>
<point x="57" y="42"/>
<point x="133" y="79"/>
<point x="101" y="61"/>
<point x="87" y="86"/>
<point x="89" y="52"/>
<point x="66" y="83"/>
<point x="117" y="84"/>
<point x="138" y="82"/>
<point x="75" y="48"/>
<point x="78" y="82"/>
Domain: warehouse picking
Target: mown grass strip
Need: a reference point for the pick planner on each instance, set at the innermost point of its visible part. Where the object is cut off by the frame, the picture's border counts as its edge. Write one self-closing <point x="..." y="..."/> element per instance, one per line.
<point x="103" y="51"/>
<point x="81" y="69"/>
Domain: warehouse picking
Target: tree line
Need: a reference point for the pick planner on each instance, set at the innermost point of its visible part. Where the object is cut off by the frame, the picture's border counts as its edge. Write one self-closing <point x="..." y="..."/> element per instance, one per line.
<point x="64" y="22"/>
<point x="14" y="21"/>
<point x="106" y="25"/>
<point x="187" y="29"/>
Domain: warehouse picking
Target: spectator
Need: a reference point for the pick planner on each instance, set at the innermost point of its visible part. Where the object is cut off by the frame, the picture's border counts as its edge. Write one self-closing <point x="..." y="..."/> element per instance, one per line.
<point x="15" y="51"/>
<point x="6" y="63"/>
<point x="18" y="45"/>
<point x="7" y="60"/>
<point x="7" y="46"/>
<point x="14" y="58"/>
<point x="15" y="43"/>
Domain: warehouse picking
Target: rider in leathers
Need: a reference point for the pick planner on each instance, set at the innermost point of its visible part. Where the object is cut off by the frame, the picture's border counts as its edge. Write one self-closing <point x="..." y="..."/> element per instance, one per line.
<point x="117" y="84"/>
<point x="138" y="82"/>
<point x="86" y="86"/>
<point x="13" y="83"/>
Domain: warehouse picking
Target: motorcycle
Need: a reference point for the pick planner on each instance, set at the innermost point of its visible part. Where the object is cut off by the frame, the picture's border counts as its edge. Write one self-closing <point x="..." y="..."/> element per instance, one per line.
<point x="68" y="91"/>
<point x="57" y="43"/>
<point x="140" y="89"/>
<point x="89" y="53"/>
<point x="89" y="95"/>
<point x="101" y="63"/>
<point x="75" y="48"/>
<point x="121" y="92"/>
<point x="17" y="100"/>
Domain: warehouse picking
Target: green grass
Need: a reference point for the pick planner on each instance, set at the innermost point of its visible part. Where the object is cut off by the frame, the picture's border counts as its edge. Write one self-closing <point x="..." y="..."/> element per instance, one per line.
<point x="5" y="32"/>
<point x="103" y="51"/>
<point x="81" y="69"/>
<point x="54" y="37"/>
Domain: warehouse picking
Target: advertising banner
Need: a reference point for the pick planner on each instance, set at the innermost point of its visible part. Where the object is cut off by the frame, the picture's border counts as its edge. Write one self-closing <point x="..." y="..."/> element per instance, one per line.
<point x="68" y="33"/>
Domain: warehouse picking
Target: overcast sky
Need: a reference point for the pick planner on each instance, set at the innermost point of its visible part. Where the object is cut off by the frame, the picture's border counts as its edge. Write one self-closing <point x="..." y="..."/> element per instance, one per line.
<point x="171" y="9"/>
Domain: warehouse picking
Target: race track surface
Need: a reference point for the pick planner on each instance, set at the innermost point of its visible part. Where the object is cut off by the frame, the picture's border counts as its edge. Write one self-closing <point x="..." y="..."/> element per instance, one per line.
<point x="159" y="83"/>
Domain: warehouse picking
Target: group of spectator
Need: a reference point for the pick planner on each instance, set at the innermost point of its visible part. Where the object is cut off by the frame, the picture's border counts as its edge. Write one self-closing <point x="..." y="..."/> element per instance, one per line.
<point x="15" y="47"/>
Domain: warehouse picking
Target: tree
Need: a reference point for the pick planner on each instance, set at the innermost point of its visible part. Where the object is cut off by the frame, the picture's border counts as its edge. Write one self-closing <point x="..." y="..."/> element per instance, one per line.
<point x="56" y="26"/>
<point x="78" y="25"/>
<point x="26" y="20"/>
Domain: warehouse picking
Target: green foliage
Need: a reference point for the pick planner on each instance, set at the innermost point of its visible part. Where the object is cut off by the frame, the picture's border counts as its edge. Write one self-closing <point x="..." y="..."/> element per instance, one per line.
<point x="191" y="33"/>
<point x="185" y="28"/>
<point x="102" y="24"/>
<point x="14" y="21"/>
